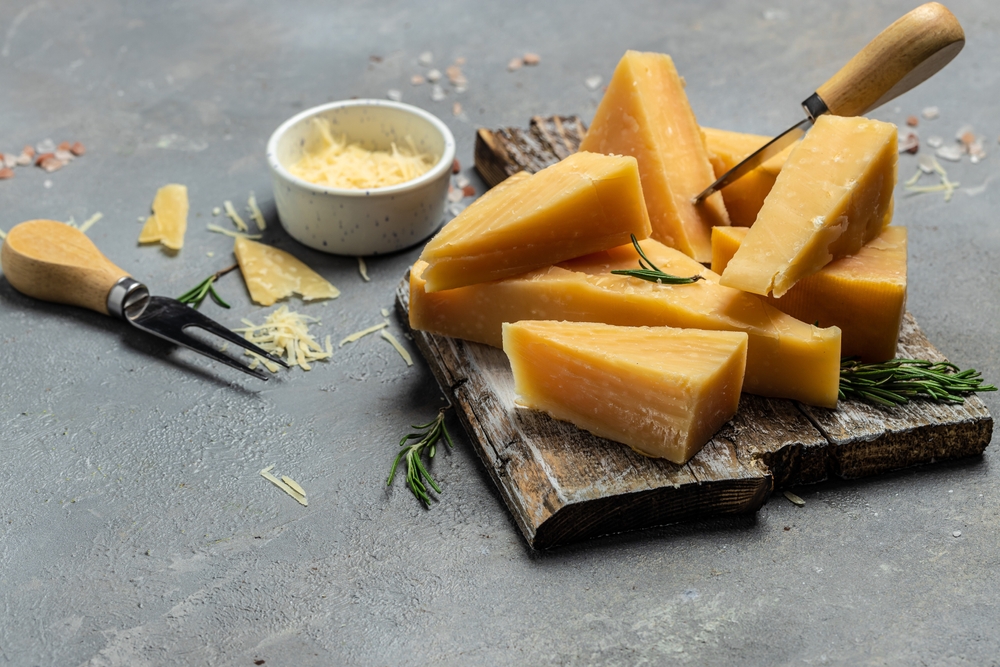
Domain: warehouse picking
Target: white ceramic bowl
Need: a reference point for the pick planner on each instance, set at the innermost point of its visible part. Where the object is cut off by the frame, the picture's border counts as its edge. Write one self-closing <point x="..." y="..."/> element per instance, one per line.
<point x="362" y="222"/>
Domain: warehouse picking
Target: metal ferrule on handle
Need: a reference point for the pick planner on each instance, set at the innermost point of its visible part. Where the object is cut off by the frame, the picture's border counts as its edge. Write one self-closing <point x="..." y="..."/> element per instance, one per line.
<point x="128" y="298"/>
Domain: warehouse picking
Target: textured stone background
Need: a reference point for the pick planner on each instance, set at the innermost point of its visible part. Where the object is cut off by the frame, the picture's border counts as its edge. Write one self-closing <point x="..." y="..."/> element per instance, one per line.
<point x="134" y="529"/>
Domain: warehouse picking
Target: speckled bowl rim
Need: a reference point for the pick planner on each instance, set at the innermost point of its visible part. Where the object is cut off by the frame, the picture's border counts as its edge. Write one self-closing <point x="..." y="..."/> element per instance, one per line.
<point x="442" y="165"/>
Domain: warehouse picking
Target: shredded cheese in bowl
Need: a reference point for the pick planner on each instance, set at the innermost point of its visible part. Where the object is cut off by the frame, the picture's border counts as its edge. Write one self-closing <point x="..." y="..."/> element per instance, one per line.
<point x="332" y="161"/>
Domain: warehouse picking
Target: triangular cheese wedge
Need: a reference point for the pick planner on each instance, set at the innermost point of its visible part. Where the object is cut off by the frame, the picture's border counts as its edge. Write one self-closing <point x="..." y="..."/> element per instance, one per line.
<point x="663" y="392"/>
<point x="272" y="274"/>
<point x="786" y="358"/>
<point x="169" y="220"/>
<point x="864" y="294"/>
<point x="645" y="113"/>
<point x="831" y="197"/>
<point x="746" y="194"/>
<point x="583" y="204"/>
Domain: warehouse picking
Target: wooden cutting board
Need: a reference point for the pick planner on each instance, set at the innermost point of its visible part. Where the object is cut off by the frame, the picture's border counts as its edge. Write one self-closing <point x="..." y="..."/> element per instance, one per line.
<point x="562" y="484"/>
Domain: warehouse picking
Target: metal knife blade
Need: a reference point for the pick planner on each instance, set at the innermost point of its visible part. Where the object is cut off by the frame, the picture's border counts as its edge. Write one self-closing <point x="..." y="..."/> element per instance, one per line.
<point x="757" y="158"/>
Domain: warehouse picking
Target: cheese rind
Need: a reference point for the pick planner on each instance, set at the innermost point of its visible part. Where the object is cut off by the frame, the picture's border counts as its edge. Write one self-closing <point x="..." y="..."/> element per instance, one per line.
<point x="645" y="113"/>
<point x="168" y="223"/>
<point x="864" y="294"/>
<point x="745" y="195"/>
<point x="662" y="391"/>
<point x="271" y="274"/>
<point x="786" y="358"/>
<point x="585" y="203"/>
<point x="830" y="198"/>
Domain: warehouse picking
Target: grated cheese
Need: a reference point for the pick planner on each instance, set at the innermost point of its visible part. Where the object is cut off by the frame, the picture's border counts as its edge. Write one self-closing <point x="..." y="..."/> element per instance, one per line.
<point x="235" y="217"/>
<point x="385" y="312"/>
<point x="229" y="232"/>
<point x="358" y="335"/>
<point x="286" y="334"/>
<point x="330" y="160"/>
<point x="946" y="186"/>
<point x="89" y="222"/>
<point x="399" y="348"/>
<point x="363" y="269"/>
<point x="3" y="234"/>
<point x="295" y="491"/>
<point x="255" y="213"/>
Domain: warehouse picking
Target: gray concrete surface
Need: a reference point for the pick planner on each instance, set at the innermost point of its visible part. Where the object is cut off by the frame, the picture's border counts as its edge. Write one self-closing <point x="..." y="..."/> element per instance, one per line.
<point x="134" y="529"/>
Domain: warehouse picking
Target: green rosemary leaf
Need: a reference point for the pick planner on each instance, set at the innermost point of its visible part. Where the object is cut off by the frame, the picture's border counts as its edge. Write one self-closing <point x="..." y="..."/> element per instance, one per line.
<point x="197" y="294"/>
<point x="896" y="382"/>
<point x="417" y="474"/>
<point x="652" y="273"/>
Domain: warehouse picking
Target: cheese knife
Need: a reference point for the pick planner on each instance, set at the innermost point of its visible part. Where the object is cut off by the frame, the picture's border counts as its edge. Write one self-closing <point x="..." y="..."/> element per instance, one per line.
<point x="900" y="57"/>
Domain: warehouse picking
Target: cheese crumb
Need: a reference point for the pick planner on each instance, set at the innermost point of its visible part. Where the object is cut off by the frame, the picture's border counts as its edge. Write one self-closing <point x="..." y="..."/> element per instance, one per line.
<point x="399" y="348"/>
<point x="229" y="232"/>
<point x="255" y="213"/>
<point x="363" y="269"/>
<point x="286" y="333"/>
<point x="235" y="217"/>
<point x="295" y="492"/>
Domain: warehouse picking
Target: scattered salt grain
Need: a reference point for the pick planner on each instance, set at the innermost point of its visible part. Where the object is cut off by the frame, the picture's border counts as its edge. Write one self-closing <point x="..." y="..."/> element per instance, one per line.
<point x="77" y="149"/>
<point x="952" y="153"/>
<point x="593" y="82"/>
<point x="437" y="93"/>
<point x="24" y="159"/>
<point x="930" y="113"/>
<point x="47" y="184"/>
<point x="417" y="80"/>
<point x="909" y="143"/>
<point x="426" y="58"/>
<point x="456" y="109"/>
<point x="8" y="160"/>
<point x="469" y="191"/>
<point x="45" y="146"/>
<point x="912" y="121"/>
<point x="956" y="533"/>
<point x="434" y="75"/>
<point x="64" y="154"/>
<point x="926" y="164"/>
<point x="456" y="166"/>
<point x="6" y="173"/>
<point x="394" y="95"/>
<point x="935" y="141"/>
<point x="965" y="134"/>
<point x="461" y="181"/>
<point x="455" y="195"/>
<point x="514" y="64"/>
<point x="532" y="59"/>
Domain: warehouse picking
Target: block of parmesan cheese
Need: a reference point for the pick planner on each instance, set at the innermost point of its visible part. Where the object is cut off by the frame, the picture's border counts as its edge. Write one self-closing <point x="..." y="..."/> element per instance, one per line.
<point x="786" y="358"/>
<point x="662" y="391"/>
<point x="645" y="113"/>
<point x="864" y="294"/>
<point x="745" y="195"/>
<point x="168" y="223"/>
<point x="272" y="274"/>
<point x="830" y="198"/>
<point x="585" y="203"/>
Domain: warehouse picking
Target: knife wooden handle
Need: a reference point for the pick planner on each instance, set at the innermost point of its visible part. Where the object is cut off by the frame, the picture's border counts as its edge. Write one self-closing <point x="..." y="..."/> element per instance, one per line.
<point x="903" y="55"/>
<point x="52" y="261"/>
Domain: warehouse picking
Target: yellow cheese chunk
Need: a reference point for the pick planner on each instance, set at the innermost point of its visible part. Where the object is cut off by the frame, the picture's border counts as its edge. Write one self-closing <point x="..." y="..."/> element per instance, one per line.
<point x="830" y="198"/>
<point x="585" y="203"/>
<point x="663" y="392"/>
<point x="272" y="274"/>
<point x="786" y="358"/>
<point x="645" y="113"/>
<point x="745" y="195"/>
<point x="864" y="294"/>
<point x="169" y="220"/>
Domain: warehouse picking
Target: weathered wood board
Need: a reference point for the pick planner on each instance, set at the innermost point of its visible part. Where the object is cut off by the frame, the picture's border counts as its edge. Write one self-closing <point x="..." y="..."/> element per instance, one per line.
<point x="562" y="484"/>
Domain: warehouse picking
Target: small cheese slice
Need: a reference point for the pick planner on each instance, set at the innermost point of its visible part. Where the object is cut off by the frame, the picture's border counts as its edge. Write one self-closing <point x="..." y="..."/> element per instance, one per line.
<point x="585" y="203"/>
<point x="745" y="195"/>
<point x="662" y="391"/>
<point x="786" y="358"/>
<point x="169" y="220"/>
<point x="272" y="274"/>
<point x="864" y="294"/>
<point x="830" y="198"/>
<point x="645" y="113"/>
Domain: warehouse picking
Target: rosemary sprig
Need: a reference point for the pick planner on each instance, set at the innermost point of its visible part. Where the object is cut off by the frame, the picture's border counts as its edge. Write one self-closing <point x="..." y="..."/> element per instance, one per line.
<point x="197" y="294"/>
<point x="651" y="272"/>
<point x="416" y="472"/>
<point x="896" y="382"/>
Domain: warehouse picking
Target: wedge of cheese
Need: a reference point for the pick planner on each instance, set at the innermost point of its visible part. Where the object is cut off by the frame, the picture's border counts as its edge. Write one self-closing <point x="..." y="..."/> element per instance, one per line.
<point x="585" y="203"/>
<point x="272" y="274"/>
<point x="786" y="358"/>
<point x="662" y="391"/>
<point x="168" y="223"/>
<point x="645" y="113"/>
<point x="745" y="195"/>
<point x="864" y="294"/>
<point x="830" y="198"/>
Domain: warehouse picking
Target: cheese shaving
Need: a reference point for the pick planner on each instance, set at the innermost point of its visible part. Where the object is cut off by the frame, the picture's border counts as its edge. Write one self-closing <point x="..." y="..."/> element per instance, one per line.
<point x="292" y="483"/>
<point x="358" y="335"/>
<point x="332" y="161"/>
<point x="89" y="222"/>
<point x="286" y="334"/>
<point x="399" y="348"/>
<point x="363" y="269"/>
<point x="229" y="232"/>
<point x="235" y="217"/>
<point x="946" y="186"/>
<point x="295" y="492"/>
<point x="255" y="213"/>
<point x="3" y="234"/>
